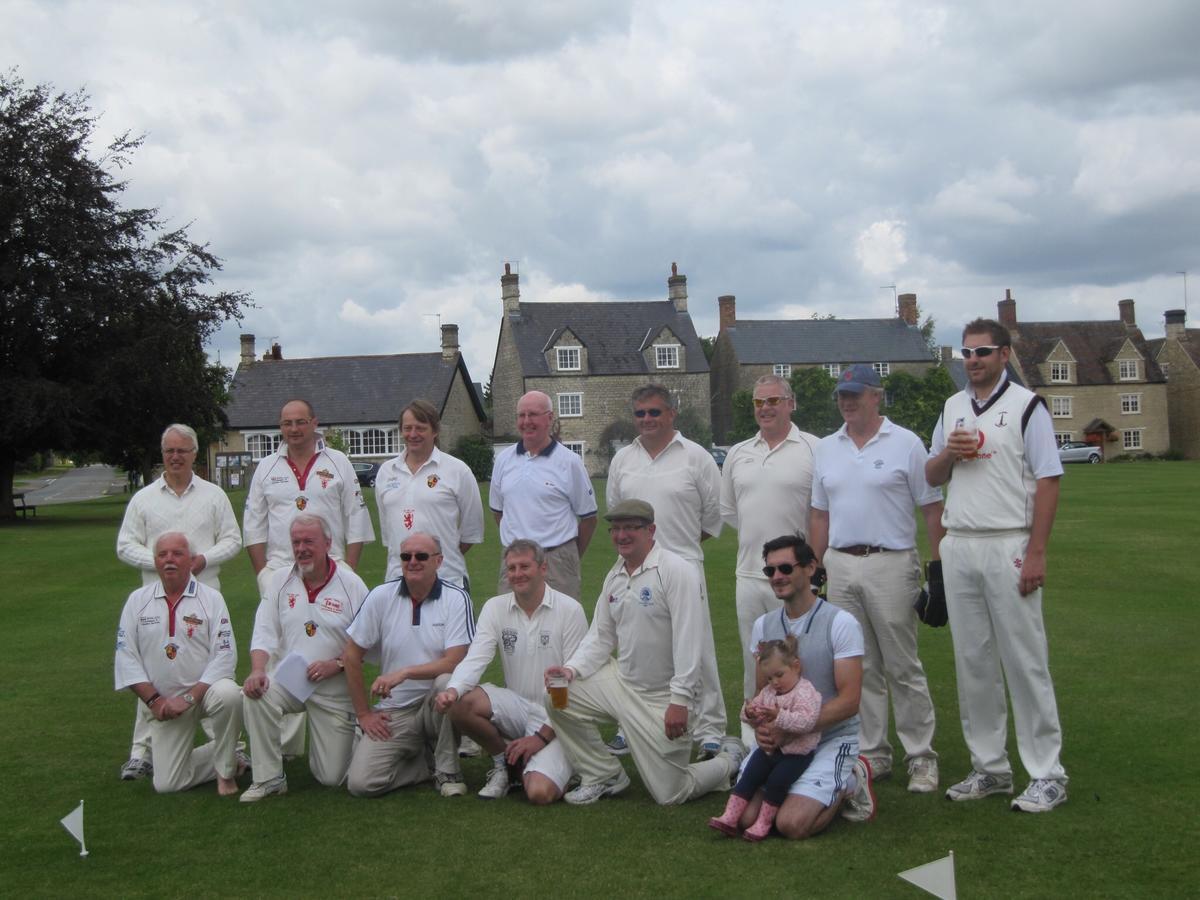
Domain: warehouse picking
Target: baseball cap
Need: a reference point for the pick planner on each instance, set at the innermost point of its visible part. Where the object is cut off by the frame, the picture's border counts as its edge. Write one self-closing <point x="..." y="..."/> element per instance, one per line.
<point x="857" y="379"/>
<point x="631" y="509"/>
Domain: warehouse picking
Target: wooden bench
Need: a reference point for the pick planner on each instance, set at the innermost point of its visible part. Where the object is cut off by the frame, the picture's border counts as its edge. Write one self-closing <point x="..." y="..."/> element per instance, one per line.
<point x="22" y="507"/>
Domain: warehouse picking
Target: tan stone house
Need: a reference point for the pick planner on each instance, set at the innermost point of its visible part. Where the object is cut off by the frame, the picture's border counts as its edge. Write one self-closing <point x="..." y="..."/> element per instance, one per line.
<point x="361" y="396"/>
<point x="1099" y="378"/>
<point x="748" y="349"/>
<point x="589" y="357"/>
<point x="1178" y="355"/>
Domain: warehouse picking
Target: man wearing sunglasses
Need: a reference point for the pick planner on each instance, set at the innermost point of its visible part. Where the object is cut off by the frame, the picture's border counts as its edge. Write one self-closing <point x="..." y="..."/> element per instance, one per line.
<point x="766" y="485"/>
<point x="680" y="479"/>
<point x="421" y="627"/>
<point x="994" y="444"/>
<point x="870" y="474"/>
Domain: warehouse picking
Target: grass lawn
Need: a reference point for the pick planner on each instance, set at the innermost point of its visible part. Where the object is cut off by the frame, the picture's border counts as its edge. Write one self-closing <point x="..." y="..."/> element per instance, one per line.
<point x="1122" y="617"/>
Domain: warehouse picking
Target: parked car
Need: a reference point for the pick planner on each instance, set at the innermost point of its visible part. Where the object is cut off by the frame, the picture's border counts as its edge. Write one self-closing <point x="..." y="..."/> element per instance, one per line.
<point x="719" y="454"/>
<point x="1079" y="452"/>
<point x="366" y="472"/>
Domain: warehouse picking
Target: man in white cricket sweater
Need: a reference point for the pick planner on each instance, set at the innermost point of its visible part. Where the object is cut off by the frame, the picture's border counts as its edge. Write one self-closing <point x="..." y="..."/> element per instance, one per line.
<point x="649" y="613"/>
<point x="995" y="445"/>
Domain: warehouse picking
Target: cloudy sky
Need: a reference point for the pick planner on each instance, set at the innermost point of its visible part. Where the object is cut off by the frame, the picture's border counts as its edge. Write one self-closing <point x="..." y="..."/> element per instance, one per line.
<point x="361" y="166"/>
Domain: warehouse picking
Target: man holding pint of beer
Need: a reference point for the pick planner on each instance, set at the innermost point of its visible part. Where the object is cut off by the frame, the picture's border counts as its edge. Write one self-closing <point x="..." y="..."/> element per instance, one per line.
<point x="533" y="627"/>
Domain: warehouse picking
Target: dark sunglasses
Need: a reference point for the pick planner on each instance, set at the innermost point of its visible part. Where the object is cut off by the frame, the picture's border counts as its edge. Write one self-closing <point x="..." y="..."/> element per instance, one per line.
<point x="785" y="568"/>
<point x="653" y="413"/>
<point x="421" y="556"/>
<point x="982" y="352"/>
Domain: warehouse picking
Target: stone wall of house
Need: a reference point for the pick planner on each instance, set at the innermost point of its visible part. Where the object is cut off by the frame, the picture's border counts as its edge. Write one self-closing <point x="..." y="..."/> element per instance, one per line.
<point x="1183" y="399"/>
<point x="508" y="383"/>
<point x="723" y="380"/>
<point x="1103" y="401"/>
<point x="458" y="418"/>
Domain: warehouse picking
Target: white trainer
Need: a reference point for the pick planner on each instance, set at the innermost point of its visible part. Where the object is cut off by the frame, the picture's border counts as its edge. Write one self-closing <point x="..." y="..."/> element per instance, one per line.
<point x="923" y="775"/>
<point x="590" y="793"/>
<point x="449" y="784"/>
<point x="978" y="785"/>
<point x="1042" y="795"/>
<point x="260" y="789"/>
<point x="497" y="784"/>
<point x="860" y="805"/>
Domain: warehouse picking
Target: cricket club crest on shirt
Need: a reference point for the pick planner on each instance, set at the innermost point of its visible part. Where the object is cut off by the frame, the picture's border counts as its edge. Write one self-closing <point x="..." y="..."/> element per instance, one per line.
<point x="326" y="476"/>
<point x="192" y="622"/>
<point x="310" y="627"/>
<point x="645" y="597"/>
<point x="301" y="502"/>
<point x="410" y="516"/>
<point x="508" y="637"/>
<point x="291" y="601"/>
<point x="432" y="481"/>
<point x="1018" y="562"/>
<point x="171" y="650"/>
<point x="544" y="639"/>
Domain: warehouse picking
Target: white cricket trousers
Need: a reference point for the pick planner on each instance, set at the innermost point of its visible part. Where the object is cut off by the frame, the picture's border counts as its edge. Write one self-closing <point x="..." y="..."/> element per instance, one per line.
<point x="331" y="724"/>
<point x="178" y="764"/>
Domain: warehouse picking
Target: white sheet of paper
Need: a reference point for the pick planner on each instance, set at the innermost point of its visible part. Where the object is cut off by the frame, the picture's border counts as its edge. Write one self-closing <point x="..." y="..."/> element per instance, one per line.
<point x="292" y="675"/>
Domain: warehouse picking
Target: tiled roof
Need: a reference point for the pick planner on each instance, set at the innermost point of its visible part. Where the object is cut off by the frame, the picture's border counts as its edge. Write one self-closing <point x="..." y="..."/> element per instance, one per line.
<point x="1093" y="345"/>
<point x="612" y="331"/>
<point x="1190" y="344"/>
<point x="344" y="390"/>
<point x="815" y="341"/>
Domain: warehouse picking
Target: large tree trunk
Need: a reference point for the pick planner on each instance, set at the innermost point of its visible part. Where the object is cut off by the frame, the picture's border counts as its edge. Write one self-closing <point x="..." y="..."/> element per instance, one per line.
<point x="8" y="467"/>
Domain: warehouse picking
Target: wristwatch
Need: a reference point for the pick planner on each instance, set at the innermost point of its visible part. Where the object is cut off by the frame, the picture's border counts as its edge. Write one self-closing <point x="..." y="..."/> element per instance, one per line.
<point x="189" y="699"/>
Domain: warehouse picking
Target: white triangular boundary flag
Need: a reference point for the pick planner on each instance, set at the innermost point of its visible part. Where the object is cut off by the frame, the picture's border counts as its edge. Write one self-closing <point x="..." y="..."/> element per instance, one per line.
<point x="936" y="877"/>
<point x="73" y="822"/>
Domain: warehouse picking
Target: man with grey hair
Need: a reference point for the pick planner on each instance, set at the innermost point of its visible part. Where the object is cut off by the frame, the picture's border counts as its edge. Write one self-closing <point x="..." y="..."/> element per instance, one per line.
<point x="179" y="500"/>
<point x="766" y="485"/>
<point x="680" y="479"/>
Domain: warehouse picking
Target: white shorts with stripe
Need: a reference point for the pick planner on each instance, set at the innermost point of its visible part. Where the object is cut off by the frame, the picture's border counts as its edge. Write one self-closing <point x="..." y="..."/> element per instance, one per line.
<point x="515" y="717"/>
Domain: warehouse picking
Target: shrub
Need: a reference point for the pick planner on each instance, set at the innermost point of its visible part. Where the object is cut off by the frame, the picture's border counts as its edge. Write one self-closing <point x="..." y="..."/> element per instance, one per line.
<point x="476" y="452"/>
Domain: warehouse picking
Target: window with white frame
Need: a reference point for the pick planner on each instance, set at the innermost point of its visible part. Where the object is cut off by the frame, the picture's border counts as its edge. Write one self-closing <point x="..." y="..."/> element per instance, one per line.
<point x="575" y="447"/>
<point x="372" y="441"/>
<point x="1060" y="373"/>
<point x="1131" y="439"/>
<point x="568" y="359"/>
<point x="1060" y="407"/>
<point x="1127" y="369"/>
<point x="1062" y="437"/>
<point x="883" y="370"/>
<point x="1166" y="370"/>
<point x="570" y="406"/>
<point x="783" y="370"/>
<point x="833" y="370"/>
<point x="263" y="443"/>
<point x="1130" y="404"/>
<point x="666" y="356"/>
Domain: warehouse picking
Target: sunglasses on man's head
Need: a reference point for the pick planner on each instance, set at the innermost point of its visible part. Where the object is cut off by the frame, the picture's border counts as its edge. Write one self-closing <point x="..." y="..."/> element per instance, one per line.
<point x="982" y="352"/>
<point x="652" y="413"/>
<point x="420" y="556"/>
<point x="785" y="568"/>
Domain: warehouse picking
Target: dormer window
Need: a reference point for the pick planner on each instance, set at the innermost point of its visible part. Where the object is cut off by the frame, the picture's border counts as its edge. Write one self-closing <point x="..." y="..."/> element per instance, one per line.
<point x="666" y="356"/>
<point x="1127" y="369"/>
<point x="1060" y="373"/>
<point x="568" y="359"/>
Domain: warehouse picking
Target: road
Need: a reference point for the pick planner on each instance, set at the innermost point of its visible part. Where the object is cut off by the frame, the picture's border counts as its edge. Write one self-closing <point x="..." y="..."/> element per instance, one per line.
<point x="73" y="485"/>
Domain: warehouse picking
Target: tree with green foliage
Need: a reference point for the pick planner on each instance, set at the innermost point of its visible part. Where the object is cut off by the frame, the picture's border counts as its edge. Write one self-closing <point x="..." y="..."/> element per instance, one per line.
<point x="744" y="424"/>
<point x="103" y="316"/>
<point x="476" y="451"/>
<point x="916" y="402"/>
<point x="694" y="426"/>
<point x="816" y="410"/>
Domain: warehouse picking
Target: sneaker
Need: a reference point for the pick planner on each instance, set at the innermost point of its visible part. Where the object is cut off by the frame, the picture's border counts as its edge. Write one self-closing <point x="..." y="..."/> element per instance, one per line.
<point x="708" y="749"/>
<point x="241" y="762"/>
<point x="449" y="784"/>
<point x="736" y="752"/>
<point x="1042" y="795"/>
<point x="923" y="774"/>
<point x="468" y="748"/>
<point x="860" y="805"/>
<point x="977" y="785"/>
<point x="590" y="793"/>
<point x="136" y="768"/>
<point x="497" y="784"/>
<point x="618" y="746"/>
<point x="260" y="789"/>
<point x="881" y="767"/>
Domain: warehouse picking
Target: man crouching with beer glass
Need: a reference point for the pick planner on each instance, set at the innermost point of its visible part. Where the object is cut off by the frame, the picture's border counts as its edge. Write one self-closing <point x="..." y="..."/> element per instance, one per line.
<point x="534" y="627"/>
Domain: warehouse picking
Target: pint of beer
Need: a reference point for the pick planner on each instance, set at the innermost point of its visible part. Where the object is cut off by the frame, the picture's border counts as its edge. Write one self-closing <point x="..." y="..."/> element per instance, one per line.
<point x="557" y="686"/>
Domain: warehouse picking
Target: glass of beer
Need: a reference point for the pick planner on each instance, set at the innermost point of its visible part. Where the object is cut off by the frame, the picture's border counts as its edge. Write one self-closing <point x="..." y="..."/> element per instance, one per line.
<point x="557" y="686"/>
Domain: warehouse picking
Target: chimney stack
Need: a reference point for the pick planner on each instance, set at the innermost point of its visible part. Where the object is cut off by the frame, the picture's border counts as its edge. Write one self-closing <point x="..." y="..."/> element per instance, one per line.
<point x="727" y="312"/>
<point x="510" y="291"/>
<point x="276" y="351"/>
<point x="1126" y="308"/>
<point x="677" y="289"/>
<point x="1007" y="310"/>
<point x="947" y="354"/>
<point x="908" y="308"/>
<point x="247" y="349"/>
<point x="449" y="342"/>
<point x="1176" y="324"/>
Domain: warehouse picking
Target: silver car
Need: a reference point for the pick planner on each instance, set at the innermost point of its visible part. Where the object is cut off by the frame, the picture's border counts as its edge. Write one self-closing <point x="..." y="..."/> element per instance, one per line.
<point x="1079" y="452"/>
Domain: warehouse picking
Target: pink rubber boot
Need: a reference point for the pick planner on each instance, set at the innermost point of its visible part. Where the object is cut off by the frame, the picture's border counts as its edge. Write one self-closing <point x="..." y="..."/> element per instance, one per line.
<point x="727" y="822"/>
<point x="762" y="825"/>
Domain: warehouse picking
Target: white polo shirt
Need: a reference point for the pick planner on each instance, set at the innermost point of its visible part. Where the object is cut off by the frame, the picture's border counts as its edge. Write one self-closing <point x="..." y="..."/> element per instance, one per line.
<point x="202" y="512"/>
<point x="527" y="644"/>
<point x="870" y="493"/>
<point x="682" y="483"/>
<point x="314" y="624"/>
<point x="409" y="635"/>
<point x="542" y="495"/>
<point x="441" y="498"/>
<point x="174" y="648"/>
<point x="765" y="493"/>
<point x="278" y="493"/>
<point x="652" y="618"/>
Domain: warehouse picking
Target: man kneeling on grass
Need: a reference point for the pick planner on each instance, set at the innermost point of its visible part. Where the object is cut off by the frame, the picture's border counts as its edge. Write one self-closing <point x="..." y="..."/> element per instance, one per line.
<point x="530" y="626"/>
<point x="175" y="651"/>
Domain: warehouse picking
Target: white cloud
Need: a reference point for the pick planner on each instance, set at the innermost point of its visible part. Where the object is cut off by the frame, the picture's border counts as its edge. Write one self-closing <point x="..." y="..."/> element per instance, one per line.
<point x="880" y="248"/>
<point x="1138" y="162"/>
<point x="986" y="197"/>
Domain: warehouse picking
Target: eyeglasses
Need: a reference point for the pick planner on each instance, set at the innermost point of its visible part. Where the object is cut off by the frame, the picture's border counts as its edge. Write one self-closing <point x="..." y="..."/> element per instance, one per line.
<point x="982" y="352"/>
<point x="784" y="568"/>
<point x="294" y="423"/>
<point x="420" y="556"/>
<point x="760" y="402"/>
<point x="175" y="451"/>
<point x="531" y="415"/>
<point x="653" y="412"/>
<point x="617" y="529"/>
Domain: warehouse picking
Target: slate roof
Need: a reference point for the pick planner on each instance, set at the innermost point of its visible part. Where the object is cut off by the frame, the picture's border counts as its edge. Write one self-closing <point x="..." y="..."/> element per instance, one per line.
<point x="816" y="341"/>
<point x="1093" y="344"/>
<point x="614" y="332"/>
<point x="344" y="390"/>
<point x="1190" y="344"/>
